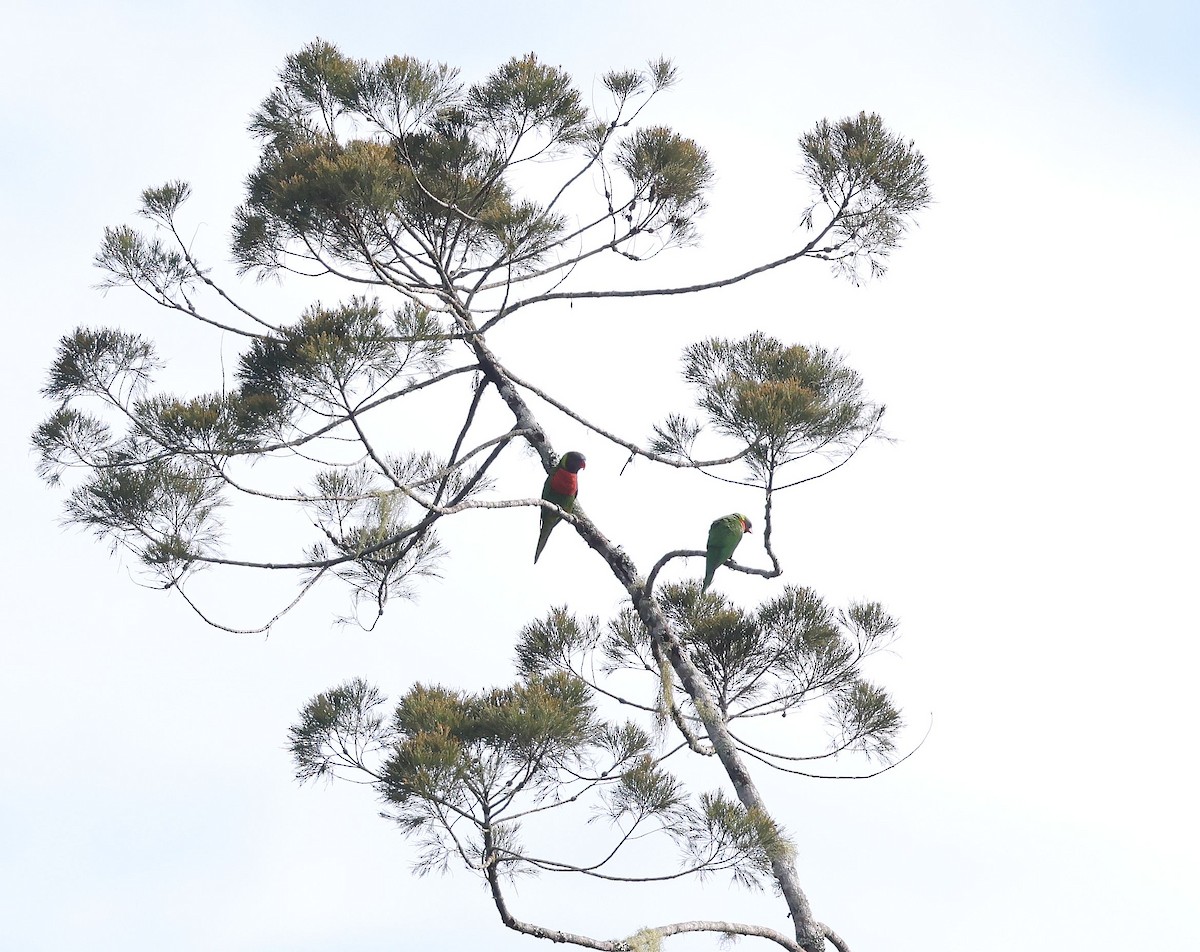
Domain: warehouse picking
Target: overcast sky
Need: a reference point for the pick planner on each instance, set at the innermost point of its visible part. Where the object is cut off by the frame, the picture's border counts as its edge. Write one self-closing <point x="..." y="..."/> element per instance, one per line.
<point x="1033" y="525"/>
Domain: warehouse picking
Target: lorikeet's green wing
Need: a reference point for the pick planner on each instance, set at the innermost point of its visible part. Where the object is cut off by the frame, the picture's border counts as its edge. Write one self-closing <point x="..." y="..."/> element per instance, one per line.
<point x="723" y="537"/>
<point x="551" y="519"/>
<point x="560" y="488"/>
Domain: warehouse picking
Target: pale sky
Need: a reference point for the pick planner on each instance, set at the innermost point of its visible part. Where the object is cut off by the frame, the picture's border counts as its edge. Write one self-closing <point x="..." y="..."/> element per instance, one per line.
<point x="1032" y="526"/>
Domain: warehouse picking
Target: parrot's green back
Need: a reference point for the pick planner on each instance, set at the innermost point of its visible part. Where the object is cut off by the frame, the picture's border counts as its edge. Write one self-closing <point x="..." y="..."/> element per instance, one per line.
<point x="723" y="538"/>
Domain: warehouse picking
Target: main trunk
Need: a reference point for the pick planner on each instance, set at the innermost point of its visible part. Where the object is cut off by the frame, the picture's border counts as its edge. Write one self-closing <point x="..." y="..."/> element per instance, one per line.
<point x="809" y="933"/>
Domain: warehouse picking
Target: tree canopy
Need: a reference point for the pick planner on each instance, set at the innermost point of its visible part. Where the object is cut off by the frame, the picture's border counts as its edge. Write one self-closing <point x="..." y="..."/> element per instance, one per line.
<point x="442" y="209"/>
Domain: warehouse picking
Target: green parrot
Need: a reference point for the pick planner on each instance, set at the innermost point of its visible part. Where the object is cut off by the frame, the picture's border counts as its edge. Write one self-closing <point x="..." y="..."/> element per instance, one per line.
<point x="723" y="537"/>
<point x="561" y="488"/>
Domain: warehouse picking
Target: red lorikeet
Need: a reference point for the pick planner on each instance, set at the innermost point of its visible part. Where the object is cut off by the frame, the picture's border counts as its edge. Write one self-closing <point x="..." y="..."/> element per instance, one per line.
<point x="561" y="488"/>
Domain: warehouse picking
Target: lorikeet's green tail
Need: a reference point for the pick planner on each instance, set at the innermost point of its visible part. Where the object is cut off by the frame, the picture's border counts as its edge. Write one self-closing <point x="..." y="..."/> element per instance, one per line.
<point x="723" y="537"/>
<point x="561" y="488"/>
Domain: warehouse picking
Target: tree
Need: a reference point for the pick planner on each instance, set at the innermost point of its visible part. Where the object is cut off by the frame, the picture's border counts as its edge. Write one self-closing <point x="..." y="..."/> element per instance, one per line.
<point x="434" y="201"/>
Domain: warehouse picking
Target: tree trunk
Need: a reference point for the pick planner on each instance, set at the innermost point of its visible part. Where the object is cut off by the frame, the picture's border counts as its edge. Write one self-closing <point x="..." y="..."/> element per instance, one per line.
<point x="809" y="933"/>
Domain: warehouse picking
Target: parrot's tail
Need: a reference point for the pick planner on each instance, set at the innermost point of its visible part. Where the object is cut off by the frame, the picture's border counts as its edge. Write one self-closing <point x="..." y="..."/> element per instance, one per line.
<point x="543" y="535"/>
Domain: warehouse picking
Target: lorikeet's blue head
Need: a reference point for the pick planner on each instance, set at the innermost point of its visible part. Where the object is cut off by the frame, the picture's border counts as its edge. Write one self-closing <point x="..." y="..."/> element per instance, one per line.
<point x="573" y="462"/>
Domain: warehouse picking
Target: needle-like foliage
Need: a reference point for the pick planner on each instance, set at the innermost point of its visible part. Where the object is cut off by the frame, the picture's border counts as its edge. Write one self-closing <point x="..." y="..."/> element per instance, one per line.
<point x="783" y="403"/>
<point x="443" y="207"/>
<point x="873" y="181"/>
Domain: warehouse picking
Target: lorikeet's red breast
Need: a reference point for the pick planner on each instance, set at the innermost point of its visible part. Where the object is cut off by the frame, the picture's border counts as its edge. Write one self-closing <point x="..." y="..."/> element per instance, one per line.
<point x="564" y="482"/>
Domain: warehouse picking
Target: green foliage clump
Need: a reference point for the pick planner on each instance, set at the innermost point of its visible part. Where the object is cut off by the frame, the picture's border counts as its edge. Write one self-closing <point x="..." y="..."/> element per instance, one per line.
<point x="430" y="176"/>
<point x="168" y="507"/>
<point x="462" y="771"/>
<point x="872" y="180"/>
<point x="781" y="403"/>
<point x="333" y="357"/>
